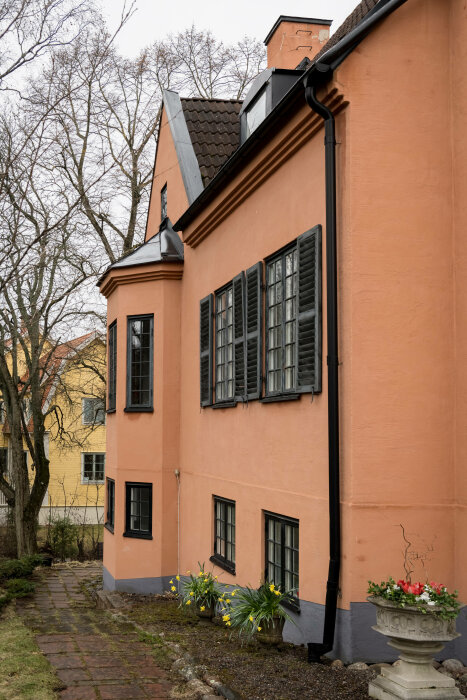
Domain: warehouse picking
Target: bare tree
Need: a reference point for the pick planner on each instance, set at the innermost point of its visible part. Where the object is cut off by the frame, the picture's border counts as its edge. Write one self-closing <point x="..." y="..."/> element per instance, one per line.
<point x="37" y="307"/>
<point x="106" y="111"/>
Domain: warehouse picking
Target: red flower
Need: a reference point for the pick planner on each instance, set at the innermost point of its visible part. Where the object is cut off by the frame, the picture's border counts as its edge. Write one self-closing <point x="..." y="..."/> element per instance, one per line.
<point x="415" y="588"/>
<point x="404" y="585"/>
<point x="438" y="587"/>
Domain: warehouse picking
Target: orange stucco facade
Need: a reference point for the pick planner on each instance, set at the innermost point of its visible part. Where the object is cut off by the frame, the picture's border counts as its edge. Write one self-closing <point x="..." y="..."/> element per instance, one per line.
<point x="400" y="104"/>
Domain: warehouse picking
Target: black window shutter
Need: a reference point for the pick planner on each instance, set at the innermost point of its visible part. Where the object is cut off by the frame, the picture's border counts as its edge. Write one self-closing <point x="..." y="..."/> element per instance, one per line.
<point x="309" y="311"/>
<point x="205" y="344"/>
<point x="239" y="335"/>
<point x="254" y="281"/>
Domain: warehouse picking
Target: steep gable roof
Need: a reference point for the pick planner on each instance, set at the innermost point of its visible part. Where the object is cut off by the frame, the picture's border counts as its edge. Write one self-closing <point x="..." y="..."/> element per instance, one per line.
<point x="355" y="17"/>
<point x="214" y="129"/>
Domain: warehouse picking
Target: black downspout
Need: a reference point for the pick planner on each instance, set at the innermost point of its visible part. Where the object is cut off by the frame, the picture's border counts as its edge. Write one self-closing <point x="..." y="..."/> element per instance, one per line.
<point x="316" y="650"/>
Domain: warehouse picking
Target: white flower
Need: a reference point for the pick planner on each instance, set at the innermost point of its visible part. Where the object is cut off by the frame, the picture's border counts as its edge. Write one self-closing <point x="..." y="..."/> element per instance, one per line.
<point x="396" y="588"/>
<point x="425" y="596"/>
<point x="431" y="602"/>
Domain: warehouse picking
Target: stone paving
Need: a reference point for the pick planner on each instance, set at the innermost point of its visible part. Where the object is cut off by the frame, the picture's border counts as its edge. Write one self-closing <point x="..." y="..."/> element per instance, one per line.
<point x="95" y="657"/>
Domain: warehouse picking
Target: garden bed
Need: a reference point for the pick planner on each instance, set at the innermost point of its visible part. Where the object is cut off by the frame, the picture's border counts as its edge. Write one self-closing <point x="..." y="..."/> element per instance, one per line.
<point x="251" y="670"/>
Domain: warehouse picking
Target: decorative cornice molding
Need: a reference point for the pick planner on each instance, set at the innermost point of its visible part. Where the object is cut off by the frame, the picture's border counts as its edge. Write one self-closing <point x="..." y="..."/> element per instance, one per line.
<point x="293" y="140"/>
<point x="138" y="275"/>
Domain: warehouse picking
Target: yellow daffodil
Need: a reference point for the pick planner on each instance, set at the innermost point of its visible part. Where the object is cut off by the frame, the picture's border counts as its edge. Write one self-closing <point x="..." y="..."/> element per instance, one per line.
<point x="251" y="618"/>
<point x="200" y="573"/>
<point x="215" y="577"/>
<point x="271" y="587"/>
<point x="277" y="592"/>
<point x="188" y="602"/>
<point x="191" y="593"/>
<point x="228" y="600"/>
<point x="228" y="624"/>
<point x="178" y="578"/>
<point x="202" y="608"/>
<point x="259" y="629"/>
<point x="173" y="589"/>
<point x="233" y="593"/>
<point x="170" y="581"/>
<point x="225" y="618"/>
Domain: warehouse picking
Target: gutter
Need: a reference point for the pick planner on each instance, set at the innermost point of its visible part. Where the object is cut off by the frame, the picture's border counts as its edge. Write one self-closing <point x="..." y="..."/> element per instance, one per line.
<point x="319" y="74"/>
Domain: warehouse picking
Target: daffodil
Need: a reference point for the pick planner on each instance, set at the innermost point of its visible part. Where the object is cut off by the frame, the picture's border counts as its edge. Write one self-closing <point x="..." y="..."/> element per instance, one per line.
<point x="251" y="618"/>
<point x="228" y="600"/>
<point x="191" y="592"/>
<point x="188" y="602"/>
<point x="173" y="589"/>
<point x="233" y="593"/>
<point x="225" y="618"/>
<point x="271" y="587"/>
<point x="277" y="592"/>
<point x="202" y="608"/>
<point x="170" y="581"/>
<point x="178" y="578"/>
<point x="200" y="573"/>
<point x="259" y="629"/>
<point x="228" y="624"/>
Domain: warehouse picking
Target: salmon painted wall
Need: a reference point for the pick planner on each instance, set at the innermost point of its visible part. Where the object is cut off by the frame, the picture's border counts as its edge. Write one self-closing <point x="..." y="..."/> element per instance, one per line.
<point x="166" y="172"/>
<point x="143" y="447"/>
<point x="398" y="413"/>
<point x="458" y="97"/>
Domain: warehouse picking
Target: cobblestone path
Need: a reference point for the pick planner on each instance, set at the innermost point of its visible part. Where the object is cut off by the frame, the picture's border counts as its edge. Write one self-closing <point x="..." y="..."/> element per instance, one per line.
<point x="97" y="658"/>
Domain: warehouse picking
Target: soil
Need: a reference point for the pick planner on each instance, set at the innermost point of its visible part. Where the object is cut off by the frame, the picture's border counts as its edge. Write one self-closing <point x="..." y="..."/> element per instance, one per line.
<point x="252" y="670"/>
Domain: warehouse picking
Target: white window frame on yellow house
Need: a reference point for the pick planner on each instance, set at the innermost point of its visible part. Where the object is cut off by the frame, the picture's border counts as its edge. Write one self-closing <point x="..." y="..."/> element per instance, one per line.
<point x="86" y="481"/>
<point x="93" y="422"/>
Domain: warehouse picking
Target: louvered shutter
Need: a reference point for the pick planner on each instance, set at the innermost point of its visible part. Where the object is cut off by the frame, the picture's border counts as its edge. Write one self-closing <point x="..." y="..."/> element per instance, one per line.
<point x="254" y="280"/>
<point x="205" y="344"/>
<point x="239" y="335"/>
<point x="309" y="311"/>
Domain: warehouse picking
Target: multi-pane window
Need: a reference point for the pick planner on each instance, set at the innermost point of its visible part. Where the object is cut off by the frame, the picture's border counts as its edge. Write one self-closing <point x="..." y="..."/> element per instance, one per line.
<point x="290" y="328"/>
<point x="110" y="514"/>
<point x="140" y="362"/>
<point x="164" y="203"/>
<point x="93" y="467"/>
<point x="224" y="533"/>
<point x="112" y="350"/>
<point x="139" y="510"/>
<point x="281" y="323"/>
<point x="282" y="552"/>
<point x="93" y="411"/>
<point x="224" y="345"/>
<point x="3" y="461"/>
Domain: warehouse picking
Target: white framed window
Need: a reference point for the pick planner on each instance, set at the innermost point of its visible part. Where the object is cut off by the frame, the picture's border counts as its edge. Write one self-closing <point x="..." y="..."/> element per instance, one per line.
<point x="92" y="467"/>
<point x="93" y="411"/>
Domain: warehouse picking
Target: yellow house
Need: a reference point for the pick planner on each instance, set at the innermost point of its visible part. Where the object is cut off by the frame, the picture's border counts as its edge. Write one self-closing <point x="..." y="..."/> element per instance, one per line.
<point x="74" y="404"/>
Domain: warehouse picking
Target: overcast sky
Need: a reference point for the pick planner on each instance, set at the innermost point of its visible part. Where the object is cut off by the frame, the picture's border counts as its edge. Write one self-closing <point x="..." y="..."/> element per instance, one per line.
<point x="228" y="20"/>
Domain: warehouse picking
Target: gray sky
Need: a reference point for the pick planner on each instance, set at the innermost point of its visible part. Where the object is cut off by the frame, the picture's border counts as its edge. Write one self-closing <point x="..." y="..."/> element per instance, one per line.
<point x="229" y="21"/>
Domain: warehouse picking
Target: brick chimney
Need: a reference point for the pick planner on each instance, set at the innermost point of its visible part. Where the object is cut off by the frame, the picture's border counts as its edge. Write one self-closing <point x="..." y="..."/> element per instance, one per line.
<point x="294" y="38"/>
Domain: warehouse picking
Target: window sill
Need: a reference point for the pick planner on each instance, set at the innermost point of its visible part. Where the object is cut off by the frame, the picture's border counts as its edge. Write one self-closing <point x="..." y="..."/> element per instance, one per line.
<point x="109" y="527"/>
<point x="138" y="409"/>
<point x="111" y="410"/>
<point x="138" y="535"/>
<point x="225" y="404"/>
<point x="92" y="483"/>
<point x="280" y="397"/>
<point x="223" y="564"/>
<point x="294" y="605"/>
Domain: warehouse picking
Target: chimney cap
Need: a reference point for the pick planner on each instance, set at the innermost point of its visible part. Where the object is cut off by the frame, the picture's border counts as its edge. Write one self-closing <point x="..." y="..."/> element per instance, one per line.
<point x="297" y="20"/>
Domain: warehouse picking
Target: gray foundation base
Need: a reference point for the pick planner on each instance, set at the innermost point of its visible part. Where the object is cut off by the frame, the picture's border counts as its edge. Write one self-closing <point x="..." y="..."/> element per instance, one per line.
<point x="354" y="638"/>
<point x="381" y="689"/>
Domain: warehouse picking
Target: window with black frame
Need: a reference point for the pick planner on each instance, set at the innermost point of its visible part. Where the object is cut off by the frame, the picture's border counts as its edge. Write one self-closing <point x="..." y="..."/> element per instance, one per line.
<point x="164" y="202"/>
<point x="224" y="345"/>
<point x="281" y="322"/>
<point x="224" y="534"/>
<point x="282" y="552"/>
<point x="93" y="468"/>
<point x="110" y="513"/>
<point x="140" y="363"/>
<point x="112" y="389"/>
<point x="138" y="514"/>
<point x="3" y="461"/>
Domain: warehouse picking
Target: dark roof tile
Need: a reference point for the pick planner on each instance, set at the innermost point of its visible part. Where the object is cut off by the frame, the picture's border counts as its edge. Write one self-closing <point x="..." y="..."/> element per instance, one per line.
<point x="214" y="129"/>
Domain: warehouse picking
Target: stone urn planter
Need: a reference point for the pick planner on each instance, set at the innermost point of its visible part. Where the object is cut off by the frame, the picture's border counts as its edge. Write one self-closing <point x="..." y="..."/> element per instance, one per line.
<point x="208" y="612"/>
<point x="418" y="637"/>
<point x="271" y="631"/>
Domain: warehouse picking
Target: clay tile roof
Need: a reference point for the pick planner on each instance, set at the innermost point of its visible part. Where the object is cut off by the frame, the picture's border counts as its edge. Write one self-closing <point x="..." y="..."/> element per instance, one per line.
<point x="359" y="13"/>
<point x="214" y="129"/>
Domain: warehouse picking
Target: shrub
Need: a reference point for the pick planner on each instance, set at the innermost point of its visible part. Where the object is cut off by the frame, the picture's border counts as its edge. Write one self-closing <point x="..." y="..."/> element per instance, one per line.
<point x="63" y="538"/>
<point x="18" y="568"/>
<point x="19" y="588"/>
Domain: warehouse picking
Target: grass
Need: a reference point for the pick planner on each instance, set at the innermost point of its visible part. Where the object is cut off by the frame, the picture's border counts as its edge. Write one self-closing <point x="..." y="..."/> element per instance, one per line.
<point x="25" y="673"/>
<point x="89" y="531"/>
